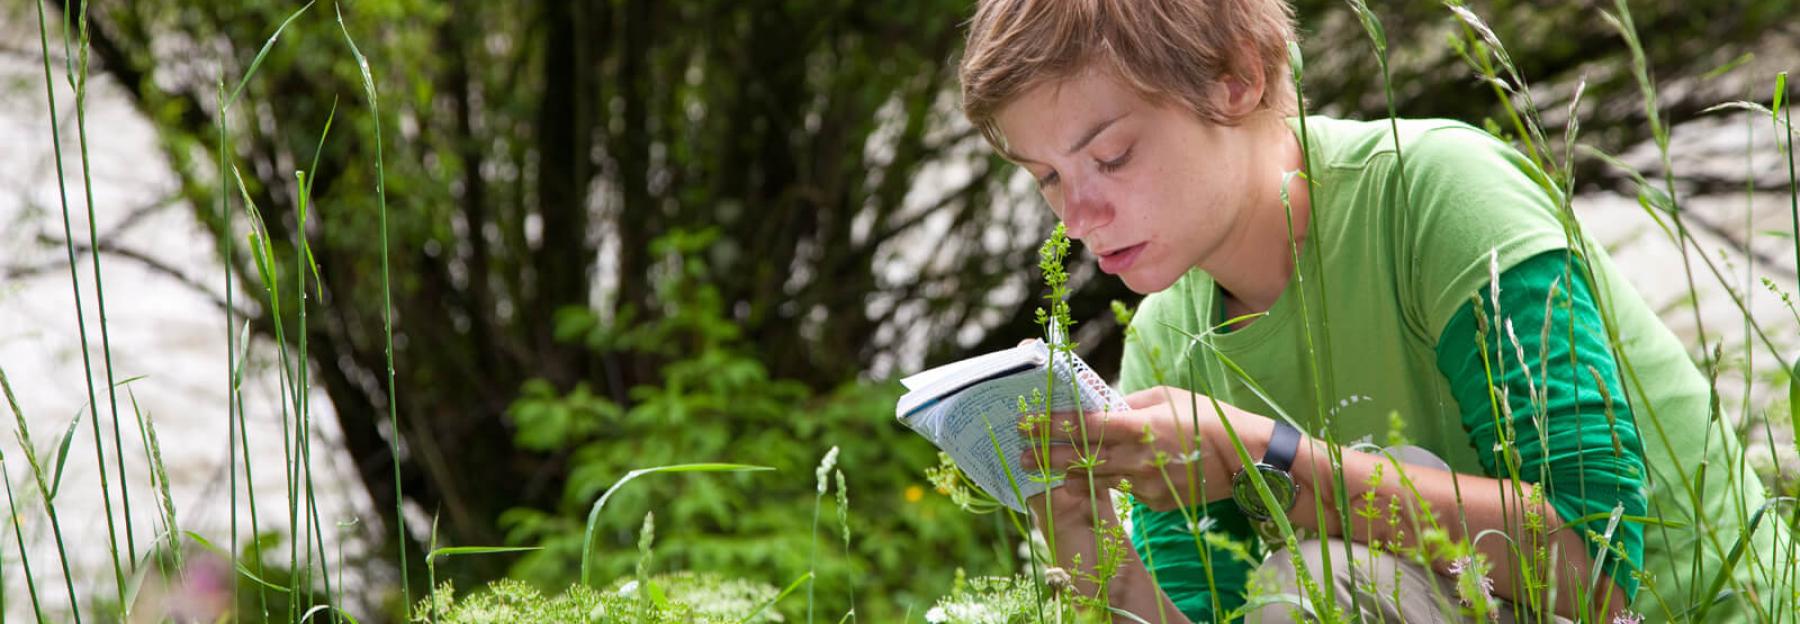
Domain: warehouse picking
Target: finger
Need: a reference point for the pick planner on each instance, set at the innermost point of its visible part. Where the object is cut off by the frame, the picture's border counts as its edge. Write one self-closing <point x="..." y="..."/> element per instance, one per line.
<point x="1059" y="458"/>
<point x="1148" y="397"/>
<point x="1065" y="427"/>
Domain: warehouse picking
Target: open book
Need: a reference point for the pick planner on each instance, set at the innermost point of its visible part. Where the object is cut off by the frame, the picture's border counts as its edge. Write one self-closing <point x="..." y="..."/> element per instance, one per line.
<point x="970" y="410"/>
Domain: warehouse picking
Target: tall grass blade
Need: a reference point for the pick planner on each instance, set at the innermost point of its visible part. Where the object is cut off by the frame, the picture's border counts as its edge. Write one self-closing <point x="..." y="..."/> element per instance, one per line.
<point x="804" y="578"/>
<point x="112" y="387"/>
<point x="1787" y="115"/>
<point x="1716" y="588"/>
<point x="257" y="62"/>
<point x="590" y="541"/>
<point x="87" y="365"/>
<point x="12" y="517"/>
<point x="458" y="551"/>
<point x="37" y="472"/>
<point x="387" y="306"/>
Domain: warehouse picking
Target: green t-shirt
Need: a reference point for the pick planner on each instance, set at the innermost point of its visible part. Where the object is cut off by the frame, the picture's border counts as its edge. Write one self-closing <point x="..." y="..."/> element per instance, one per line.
<point x="1386" y="282"/>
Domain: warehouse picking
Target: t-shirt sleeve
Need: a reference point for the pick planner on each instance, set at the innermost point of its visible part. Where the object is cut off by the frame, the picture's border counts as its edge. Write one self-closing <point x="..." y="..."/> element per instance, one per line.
<point x="1475" y="207"/>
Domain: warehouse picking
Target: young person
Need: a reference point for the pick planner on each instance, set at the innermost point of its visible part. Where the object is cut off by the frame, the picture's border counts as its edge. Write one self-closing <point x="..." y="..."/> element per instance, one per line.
<point x="1430" y="282"/>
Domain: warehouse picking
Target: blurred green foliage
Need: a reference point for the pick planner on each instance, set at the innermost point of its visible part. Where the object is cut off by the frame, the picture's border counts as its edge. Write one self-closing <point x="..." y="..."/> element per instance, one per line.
<point x="718" y="402"/>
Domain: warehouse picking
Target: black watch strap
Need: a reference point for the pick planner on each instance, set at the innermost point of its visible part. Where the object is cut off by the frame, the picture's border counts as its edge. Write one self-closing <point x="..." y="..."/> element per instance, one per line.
<point x="1284" y="443"/>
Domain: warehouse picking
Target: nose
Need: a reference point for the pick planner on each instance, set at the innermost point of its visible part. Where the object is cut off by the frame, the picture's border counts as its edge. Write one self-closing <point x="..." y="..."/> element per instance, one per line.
<point x="1086" y="208"/>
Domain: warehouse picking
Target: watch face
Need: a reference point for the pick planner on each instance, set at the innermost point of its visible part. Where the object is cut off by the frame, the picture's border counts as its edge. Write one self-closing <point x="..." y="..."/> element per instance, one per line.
<point x="1281" y="485"/>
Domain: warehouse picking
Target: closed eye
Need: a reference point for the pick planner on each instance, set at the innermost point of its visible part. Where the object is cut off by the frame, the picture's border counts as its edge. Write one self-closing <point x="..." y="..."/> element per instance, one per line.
<point x="1109" y="166"/>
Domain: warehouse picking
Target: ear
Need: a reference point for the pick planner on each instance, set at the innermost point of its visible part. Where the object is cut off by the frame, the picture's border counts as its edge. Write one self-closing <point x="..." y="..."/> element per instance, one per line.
<point x="1240" y="90"/>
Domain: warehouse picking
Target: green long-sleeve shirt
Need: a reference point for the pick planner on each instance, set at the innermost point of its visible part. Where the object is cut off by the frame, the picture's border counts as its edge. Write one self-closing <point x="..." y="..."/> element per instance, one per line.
<point x="1381" y="311"/>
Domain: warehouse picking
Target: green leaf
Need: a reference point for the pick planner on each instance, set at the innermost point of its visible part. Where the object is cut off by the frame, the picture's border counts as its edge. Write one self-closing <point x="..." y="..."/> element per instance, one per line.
<point x="257" y="62"/>
<point x="784" y="593"/>
<point x="62" y="455"/>
<point x="1657" y="198"/>
<point x="657" y="596"/>
<point x="323" y="608"/>
<point x="242" y="571"/>
<point x="1780" y="94"/>
<point x="135" y="586"/>
<point x="589" y="542"/>
<point x="1733" y="64"/>
<point x="1794" y="395"/>
<point x="453" y="551"/>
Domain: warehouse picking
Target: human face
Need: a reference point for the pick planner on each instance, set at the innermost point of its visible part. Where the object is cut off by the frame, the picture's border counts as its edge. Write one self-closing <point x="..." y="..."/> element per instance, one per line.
<point x="1148" y="187"/>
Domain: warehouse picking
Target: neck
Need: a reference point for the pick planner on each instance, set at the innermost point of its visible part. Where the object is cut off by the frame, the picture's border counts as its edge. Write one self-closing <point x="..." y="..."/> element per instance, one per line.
<point x="1258" y="258"/>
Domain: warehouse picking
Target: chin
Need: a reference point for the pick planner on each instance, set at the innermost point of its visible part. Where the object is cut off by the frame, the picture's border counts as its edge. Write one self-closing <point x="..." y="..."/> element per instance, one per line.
<point x="1147" y="284"/>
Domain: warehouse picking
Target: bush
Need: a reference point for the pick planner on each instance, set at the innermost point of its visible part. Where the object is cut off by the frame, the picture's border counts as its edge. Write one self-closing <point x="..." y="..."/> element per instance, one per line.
<point x="717" y="402"/>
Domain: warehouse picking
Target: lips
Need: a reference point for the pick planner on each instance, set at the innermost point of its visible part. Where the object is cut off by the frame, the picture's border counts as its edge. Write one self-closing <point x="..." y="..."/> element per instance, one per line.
<point x="1119" y="260"/>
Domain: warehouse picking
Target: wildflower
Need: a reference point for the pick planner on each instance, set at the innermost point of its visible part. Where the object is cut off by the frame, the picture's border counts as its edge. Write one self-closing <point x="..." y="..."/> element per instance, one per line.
<point x="1628" y="617"/>
<point x="1202" y="524"/>
<point x="1058" y="579"/>
<point x="914" y="493"/>
<point x="1473" y="586"/>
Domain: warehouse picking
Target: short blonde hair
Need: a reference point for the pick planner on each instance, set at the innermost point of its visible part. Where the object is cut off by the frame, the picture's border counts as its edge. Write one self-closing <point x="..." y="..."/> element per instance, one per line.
<point x="1166" y="50"/>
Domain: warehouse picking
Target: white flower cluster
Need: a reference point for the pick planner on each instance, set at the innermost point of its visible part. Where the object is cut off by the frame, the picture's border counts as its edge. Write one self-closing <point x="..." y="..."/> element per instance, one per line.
<point x="993" y="600"/>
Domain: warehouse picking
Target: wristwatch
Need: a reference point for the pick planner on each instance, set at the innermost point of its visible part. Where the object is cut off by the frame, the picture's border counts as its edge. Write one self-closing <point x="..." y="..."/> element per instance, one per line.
<point x="1275" y="467"/>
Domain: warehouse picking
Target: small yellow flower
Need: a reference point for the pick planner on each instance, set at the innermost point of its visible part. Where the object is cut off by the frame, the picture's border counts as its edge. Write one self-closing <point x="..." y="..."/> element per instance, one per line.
<point x="914" y="493"/>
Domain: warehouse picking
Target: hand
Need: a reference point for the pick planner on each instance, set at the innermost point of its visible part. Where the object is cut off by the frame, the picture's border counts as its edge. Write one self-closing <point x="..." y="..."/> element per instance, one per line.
<point x="1170" y="438"/>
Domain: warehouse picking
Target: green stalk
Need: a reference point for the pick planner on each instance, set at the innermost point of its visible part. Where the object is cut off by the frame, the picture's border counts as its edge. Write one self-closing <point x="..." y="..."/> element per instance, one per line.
<point x="1641" y="70"/>
<point x="87" y="184"/>
<point x="1321" y="394"/>
<point x="44" y="488"/>
<point x="243" y="430"/>
<point x="843" y="510"/>
<point x="80" y="318"/>
<point x="237" y="430"/>
<point x="1037" y="587"/>
<point x="12" y="509"/>
<point x="305" y="262"/>
<point x="231" y="356"/>
<point x="387" y="307"/>
<point x="1623" y="23"/>
<point x="268" y="268"/>
<point x="1794" y="214"/>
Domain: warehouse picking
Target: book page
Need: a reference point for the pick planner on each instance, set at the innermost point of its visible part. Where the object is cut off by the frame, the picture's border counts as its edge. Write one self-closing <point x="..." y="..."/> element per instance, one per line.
<point x="978" y="427"/>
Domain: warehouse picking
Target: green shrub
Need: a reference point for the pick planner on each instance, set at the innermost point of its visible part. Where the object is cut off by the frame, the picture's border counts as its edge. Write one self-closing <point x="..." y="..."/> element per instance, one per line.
<point x="718" y="403"/>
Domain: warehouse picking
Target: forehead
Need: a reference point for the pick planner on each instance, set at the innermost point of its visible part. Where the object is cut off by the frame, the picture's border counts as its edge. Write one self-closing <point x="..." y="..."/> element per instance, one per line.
<point x="1048" y="117"/>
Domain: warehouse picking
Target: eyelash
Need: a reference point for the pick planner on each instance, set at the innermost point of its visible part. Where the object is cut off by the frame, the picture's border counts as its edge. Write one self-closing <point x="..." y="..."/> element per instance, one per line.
<point x="1109" y="166"/>
<point x="1106" y="166"/>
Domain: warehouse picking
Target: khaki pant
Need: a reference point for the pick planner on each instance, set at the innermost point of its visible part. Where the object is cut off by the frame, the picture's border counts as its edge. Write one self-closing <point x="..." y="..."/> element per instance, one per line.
<point x="1372" y="587"/>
